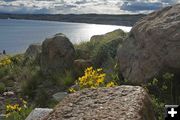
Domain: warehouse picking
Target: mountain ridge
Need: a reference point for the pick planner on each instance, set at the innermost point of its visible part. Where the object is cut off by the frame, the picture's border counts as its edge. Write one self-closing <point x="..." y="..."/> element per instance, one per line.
<point x="124" y="20"/>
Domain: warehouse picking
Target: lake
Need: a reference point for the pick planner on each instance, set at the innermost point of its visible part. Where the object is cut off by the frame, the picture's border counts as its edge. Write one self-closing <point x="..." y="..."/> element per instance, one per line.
<point x="17" y="35"/>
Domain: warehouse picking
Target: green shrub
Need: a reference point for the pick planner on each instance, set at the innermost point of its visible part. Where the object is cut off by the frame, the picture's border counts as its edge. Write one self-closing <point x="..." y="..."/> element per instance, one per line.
<point x="29" y="86"/>
<point x="158" y="107"/>
<point x="68" y="78"/>
<point x="3" y="71"/>
<point x="161" y="91"/>
<point x="2" y="87"/>
<point x="63" y="80"/>
<point x="42" y="98"/>
<point x="106" y="51"/>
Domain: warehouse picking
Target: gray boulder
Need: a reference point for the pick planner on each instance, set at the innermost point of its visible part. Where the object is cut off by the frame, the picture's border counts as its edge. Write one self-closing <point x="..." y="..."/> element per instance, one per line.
<point x="59" y="96"/>
<point x="33" y="51"/>
<point x="39" y="114"/>
<point x="153" y="46"/>
<point x="118" y="103"/>
<point x="57" y="54"/>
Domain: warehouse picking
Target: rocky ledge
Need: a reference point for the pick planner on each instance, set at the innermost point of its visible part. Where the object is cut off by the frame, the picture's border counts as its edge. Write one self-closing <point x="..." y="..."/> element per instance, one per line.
<point x="118" y="103"/>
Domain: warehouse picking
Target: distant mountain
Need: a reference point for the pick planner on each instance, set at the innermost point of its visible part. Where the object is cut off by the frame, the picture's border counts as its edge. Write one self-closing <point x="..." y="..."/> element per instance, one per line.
<point x="124" y="20"/>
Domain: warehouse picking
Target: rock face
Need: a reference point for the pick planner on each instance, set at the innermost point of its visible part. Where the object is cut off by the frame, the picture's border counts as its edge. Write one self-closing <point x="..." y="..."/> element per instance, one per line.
<point x="38" y="114"/>
<point x="153" y="46"/>
<point x="57" y="54"/>
<point x="33" y="51"/>
<point x="118" y="103"/>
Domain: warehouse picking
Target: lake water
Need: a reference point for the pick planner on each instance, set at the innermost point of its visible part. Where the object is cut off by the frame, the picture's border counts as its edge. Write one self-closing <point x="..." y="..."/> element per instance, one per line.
<point x="17" y="35"/>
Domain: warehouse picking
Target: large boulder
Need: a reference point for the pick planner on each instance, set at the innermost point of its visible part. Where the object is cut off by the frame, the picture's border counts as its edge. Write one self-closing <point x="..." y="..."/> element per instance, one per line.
<point x="57" y="55"/>
<point x="118" y="103"/>
<point x="153" y="46"/>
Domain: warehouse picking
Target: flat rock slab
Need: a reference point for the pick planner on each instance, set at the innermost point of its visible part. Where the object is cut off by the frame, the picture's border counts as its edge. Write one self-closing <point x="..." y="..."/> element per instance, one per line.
<point x="118" y="103"/>
<point x="39" y="113"/>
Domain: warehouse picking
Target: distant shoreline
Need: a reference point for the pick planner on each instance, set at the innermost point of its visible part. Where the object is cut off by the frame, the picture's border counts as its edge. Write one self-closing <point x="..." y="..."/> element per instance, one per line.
<point x="105" y="19"/>
<point x="61" y="22"/>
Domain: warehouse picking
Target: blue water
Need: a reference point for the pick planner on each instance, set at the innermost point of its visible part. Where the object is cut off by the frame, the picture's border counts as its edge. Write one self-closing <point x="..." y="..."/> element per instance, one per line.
<point x="17" y="35"/>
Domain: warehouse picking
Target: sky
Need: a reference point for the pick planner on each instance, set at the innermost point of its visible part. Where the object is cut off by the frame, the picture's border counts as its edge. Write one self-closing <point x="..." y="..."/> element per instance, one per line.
<point x="83" y="6"/>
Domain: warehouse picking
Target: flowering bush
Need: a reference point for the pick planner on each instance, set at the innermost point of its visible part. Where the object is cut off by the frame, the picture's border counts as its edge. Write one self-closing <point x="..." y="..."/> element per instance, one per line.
<point x="11" y="108"/>
<point x="92" y="79"/>
<point x="5" y="61"/>
<point x="17" y="111"/>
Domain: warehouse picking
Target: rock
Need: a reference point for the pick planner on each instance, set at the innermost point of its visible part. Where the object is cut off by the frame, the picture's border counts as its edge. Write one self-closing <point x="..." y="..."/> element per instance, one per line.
<point x="82" y="64"/>
<point x="38" y="113"/>
<point x="118" y="103"/>
<point x="153" y="46"/>
<point x="109" y="36"/>
<point x="57" y="54"/>
<point x="2" y="116"/>
<point x="59" y="96"/>
<point x="9" y="93"/>
<point x="33" y="51"/>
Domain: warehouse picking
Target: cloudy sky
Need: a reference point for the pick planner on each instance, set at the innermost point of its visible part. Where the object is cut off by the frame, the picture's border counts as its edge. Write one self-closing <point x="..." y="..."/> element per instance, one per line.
<point x="83" y="6"/>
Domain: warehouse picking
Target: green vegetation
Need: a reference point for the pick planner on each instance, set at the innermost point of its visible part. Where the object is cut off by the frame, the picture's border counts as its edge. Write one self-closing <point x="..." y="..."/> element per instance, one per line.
<point x="2" y="87"/>
<point x="162" y="90"/>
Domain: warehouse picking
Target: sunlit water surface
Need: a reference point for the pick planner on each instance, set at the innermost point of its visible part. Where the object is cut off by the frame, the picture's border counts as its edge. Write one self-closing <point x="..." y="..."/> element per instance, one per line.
<point x="17" y="35"/>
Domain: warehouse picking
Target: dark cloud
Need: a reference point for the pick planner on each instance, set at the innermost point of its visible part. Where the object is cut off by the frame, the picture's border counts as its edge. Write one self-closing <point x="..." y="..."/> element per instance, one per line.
<point x="170" y="1"/>
<point x="141" y="6"/>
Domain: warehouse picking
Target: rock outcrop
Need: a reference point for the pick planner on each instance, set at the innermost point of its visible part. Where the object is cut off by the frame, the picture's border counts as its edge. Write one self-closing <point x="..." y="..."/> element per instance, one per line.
<point x="33" y="51"/>
<point x="118" y="103"/>
<point x="57" y="55"/>
<point x="153" y="46"/>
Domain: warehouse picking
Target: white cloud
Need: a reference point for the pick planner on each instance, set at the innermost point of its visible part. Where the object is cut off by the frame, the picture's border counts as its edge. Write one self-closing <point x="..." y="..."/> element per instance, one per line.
<point x="83" y="6"/>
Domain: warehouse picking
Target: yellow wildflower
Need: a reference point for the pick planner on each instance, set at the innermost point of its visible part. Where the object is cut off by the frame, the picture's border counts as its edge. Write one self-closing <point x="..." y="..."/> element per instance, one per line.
<point x="72" y="90"/>
<point x="111" y="84"/>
